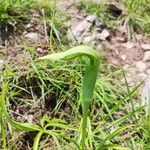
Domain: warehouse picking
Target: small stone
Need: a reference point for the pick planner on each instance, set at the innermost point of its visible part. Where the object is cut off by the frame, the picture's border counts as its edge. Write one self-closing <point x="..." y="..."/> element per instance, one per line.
<point x="145" y="97"/>
<point x="123" y="57"/>
<point x="141" y="66"/>
<point x="39" y="50"/>
<point x="128" y="45"/>
<point x="91" y="18"/>
<point x="32" y="37"/>
<point x="19" y="118"/>
<point x="145" y="46"/>
<point x="29" y="25"/>
<point x="29" y="118"/>
<point x="1" y="64"/>
<point x="87" y="39"/>
<point x="82" y="32"/>
<point x="84" y="25"/>
<point x="146" y="56"/>
<point x="1" y="46"/>
<point x="24" y="33"/>
<point x="103" y="35"/>
<point x="98" y="24"/>
<point x="122" y="29"/>
<point x="76" y="33"/>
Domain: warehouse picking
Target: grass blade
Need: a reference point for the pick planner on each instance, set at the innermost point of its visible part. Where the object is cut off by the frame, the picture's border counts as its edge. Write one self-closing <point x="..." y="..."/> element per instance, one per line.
<point x="21" y="126"/>
<point x="37" y="140"/>
<point x="112" y="135"/>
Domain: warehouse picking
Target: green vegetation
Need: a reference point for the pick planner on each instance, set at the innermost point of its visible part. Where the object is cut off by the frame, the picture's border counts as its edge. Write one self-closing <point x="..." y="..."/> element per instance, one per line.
<point x="135" y="14"/>
<point x="89" y="79"/>
<point x="138" y="14"/>
<point x="69" y="99"/>
<point x="16" y="11"/>
<point x="13" y="11"/>
<point x="57" y="88"/>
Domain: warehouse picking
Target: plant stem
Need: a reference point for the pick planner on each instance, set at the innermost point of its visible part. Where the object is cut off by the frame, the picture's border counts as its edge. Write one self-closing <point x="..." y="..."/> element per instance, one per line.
<point x="84" y="126"/>
<point x="3" y="133"/>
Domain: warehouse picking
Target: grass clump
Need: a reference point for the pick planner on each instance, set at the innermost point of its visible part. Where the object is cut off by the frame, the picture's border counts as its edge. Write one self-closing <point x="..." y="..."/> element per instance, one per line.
<point x="137" y="16"/>
<point x="50" y="92"/>
<point x="44" y="94"/>
<point x="12" y="11"/>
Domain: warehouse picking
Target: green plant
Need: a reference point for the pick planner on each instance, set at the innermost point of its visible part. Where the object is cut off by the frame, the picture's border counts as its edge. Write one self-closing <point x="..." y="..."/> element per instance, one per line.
<point x="92" y="7"/>
<point x="43" y="128"/>
<point x="2" y="127"/>
<point x="89" y="78"/>
<point x="137" y="17"/>
<point x="12" y="11"/>
<point x="105" y="129"/>
<point x="87" y="93"/>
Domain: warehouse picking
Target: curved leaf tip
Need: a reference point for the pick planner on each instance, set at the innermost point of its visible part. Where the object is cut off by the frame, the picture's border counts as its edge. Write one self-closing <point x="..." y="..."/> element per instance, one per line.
<point x="72" y="53"/>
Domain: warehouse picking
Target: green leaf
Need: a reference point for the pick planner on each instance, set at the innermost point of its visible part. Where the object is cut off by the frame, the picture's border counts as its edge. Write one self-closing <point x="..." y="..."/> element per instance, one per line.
<point x="114" y="146"/>
<point x="89" y="78"/>
<point x="60" y="125"/>
<point x="37" y="141"/>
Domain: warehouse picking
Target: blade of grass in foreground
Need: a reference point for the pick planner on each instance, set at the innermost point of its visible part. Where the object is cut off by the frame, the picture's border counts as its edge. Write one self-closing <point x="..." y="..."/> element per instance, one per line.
<point x="37" y="141"/>
<point x="114" y="147"/>
<point x="2" y="128"/>
<point x="21" y="126"/>
<point x="111" y="136"/>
